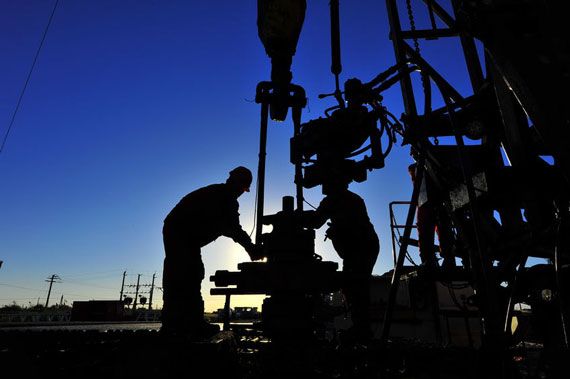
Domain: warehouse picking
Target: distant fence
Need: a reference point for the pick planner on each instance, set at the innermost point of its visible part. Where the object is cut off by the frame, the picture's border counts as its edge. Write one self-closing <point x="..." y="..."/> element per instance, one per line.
<point x="147" y="316"/>
<point x="35" y="317"/>
<point x="55" y="317"/>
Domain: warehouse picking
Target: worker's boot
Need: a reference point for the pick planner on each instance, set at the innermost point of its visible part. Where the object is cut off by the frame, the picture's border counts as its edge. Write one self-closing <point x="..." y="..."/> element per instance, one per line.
<point x="198" y="328"/>
<point x="208" y="330"/>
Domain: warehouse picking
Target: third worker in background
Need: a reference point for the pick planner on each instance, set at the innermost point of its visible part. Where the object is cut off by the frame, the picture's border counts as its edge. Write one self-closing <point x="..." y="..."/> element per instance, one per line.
<point x="432" y="219"/>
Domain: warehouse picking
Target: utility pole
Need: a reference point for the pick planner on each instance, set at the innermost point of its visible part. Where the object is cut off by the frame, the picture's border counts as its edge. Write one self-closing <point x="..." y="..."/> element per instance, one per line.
<point x="61" y="300"/>
<point x="151" y="292"/>
<point x="122" y="285"/>
<point x="51" y="279"/>
<point x="137" y="292"/>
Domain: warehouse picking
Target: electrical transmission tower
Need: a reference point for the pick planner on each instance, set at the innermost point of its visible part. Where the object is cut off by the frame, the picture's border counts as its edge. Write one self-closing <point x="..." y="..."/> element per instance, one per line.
<point x="138" y="290"/>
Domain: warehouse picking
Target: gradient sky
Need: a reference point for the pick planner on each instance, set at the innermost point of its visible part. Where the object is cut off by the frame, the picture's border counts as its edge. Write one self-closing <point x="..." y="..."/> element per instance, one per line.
<point x="134" y="103"/>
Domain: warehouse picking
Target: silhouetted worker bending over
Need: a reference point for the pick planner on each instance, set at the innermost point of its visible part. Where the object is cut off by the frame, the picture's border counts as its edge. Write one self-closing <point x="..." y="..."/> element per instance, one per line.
<point x="356" y="242"/>
<point x="198" y="219"/>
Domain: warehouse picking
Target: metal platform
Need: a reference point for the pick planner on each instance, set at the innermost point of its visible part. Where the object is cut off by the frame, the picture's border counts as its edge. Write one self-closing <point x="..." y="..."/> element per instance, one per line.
<point x="121" y="351"/>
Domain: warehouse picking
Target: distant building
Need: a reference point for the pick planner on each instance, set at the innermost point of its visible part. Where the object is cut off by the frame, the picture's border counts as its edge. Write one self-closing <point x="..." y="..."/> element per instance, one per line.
<point x="241" y="313"/>
<point x="98" y="310"/>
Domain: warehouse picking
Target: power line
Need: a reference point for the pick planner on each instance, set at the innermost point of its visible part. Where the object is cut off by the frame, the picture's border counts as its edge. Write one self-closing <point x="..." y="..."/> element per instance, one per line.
<point x="90" y="278"/>
<point x="94" y="274"/>
<point x="22" y="288"/>
<point x="88" y="284"/>
<point x="19" y="298"/>
<point x="28" y="78"/>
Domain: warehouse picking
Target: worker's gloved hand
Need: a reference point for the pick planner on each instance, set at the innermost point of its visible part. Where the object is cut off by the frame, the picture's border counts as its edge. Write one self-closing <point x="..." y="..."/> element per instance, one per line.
<point x="255" y="252"/>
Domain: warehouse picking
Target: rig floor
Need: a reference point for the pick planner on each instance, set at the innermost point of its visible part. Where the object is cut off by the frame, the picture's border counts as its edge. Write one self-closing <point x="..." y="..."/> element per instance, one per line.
<point x="243" y="353"/>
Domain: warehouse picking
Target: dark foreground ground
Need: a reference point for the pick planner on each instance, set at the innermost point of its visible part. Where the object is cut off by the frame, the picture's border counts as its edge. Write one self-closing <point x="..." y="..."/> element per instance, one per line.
<point x="139" y="351"/>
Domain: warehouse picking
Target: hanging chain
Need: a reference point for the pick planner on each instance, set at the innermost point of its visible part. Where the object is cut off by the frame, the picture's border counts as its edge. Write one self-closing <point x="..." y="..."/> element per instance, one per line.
<point x="413" y="26"/>
<point x="413" y="29"/>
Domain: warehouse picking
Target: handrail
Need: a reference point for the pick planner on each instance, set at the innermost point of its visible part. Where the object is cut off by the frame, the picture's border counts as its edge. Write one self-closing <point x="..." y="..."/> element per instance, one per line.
<point x="394" y="226"/>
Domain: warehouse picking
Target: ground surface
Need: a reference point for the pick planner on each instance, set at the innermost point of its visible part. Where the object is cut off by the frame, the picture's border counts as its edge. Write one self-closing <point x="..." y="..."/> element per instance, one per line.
<point x="129" y="350"/>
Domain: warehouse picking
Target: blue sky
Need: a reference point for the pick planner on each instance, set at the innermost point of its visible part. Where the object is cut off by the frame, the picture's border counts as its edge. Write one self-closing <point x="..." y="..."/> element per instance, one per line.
<point x="133" y="104"/>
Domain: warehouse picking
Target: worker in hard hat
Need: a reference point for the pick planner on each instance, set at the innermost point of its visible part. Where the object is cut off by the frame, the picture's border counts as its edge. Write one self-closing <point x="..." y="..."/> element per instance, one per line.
<point x="431" y="219"/>
<point x="356" y="242"/>
<point x="198" y="219"/>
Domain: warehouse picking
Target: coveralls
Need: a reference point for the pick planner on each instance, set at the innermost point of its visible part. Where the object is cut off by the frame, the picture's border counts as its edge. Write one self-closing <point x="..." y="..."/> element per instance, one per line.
<point x="356" y="242"/>
<point x="431" y="219"/>
<point x="198" y="219"/>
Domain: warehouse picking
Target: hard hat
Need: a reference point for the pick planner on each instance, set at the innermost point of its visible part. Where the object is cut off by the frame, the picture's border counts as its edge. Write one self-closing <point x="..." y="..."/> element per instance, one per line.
<point x="243" y="176"/>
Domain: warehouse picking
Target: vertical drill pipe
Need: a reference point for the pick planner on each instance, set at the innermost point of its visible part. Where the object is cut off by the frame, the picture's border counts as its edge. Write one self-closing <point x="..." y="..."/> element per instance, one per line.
<point x="298" y="165"/>
<point x="336" y="66"/>
<point x="261" y="171"/>
<point x="403" y="249"/>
